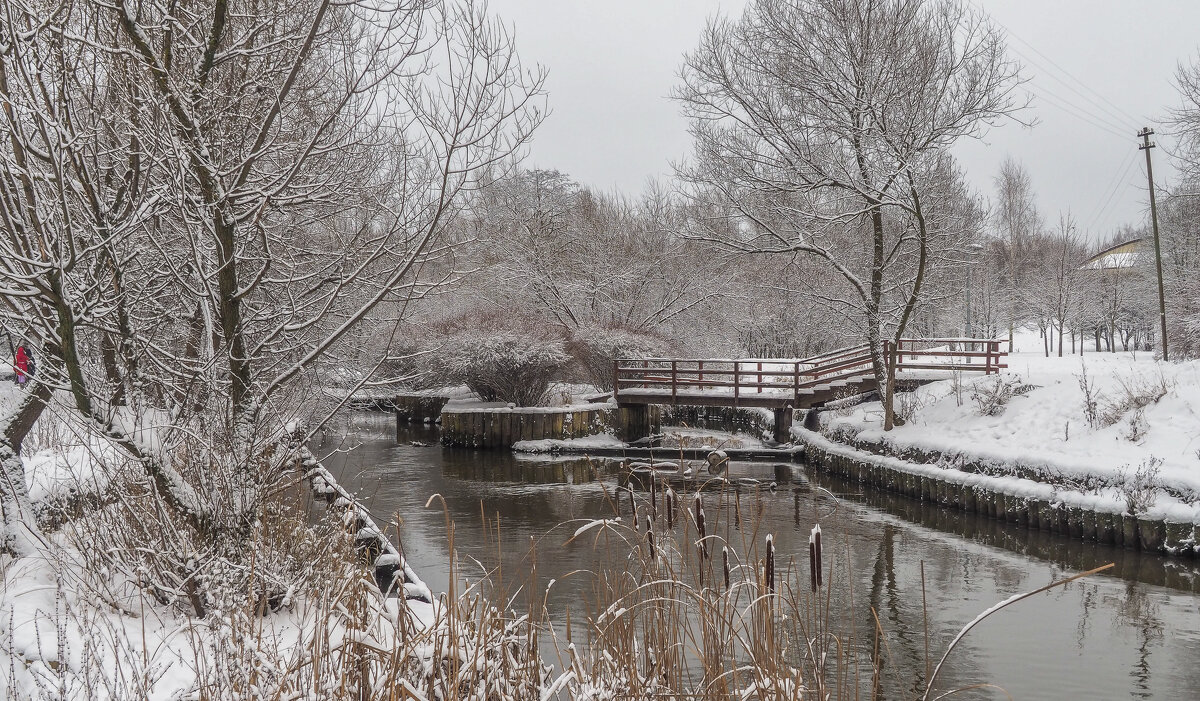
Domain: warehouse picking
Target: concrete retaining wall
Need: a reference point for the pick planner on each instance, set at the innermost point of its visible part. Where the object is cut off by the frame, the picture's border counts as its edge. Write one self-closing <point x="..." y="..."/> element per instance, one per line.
<point x="957" y="490"/>
<point x="393" y="576"/>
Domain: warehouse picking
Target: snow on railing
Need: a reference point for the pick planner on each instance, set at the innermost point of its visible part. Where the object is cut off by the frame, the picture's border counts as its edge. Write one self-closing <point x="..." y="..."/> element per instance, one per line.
<point x="692" y="376"/>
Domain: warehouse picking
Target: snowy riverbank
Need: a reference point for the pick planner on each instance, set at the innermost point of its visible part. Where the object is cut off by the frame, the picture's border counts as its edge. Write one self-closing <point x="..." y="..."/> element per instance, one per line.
<point x="1121" y="429"/>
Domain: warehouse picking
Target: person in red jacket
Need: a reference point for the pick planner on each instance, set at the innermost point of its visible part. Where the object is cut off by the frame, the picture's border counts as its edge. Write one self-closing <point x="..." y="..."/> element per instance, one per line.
<point x="21" y="366"/>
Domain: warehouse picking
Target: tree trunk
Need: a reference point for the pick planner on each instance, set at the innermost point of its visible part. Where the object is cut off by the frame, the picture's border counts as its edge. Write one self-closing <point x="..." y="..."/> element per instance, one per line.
<point x="21" y="534"/>
<point x="889" y="414"/>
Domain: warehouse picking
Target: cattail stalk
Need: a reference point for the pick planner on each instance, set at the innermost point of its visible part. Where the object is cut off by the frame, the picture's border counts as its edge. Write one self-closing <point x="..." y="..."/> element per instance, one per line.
<point x="814" y="556"/>
<point x="653" y="497"/>
<point x="771" y="564"/>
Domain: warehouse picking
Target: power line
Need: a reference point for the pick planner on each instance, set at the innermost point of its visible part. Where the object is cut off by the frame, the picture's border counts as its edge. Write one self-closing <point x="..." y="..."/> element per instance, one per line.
<point x="1128" y="184"/>
<point x="1116" y="114"/>
<point x="1122" y="119"/>
<point x="1111" y="190"/>
<point x="1078" y="113"/>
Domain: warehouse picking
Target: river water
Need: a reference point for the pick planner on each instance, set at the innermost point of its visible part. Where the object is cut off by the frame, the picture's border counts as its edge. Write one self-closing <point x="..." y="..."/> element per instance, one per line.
<point x="1131" y="632"/>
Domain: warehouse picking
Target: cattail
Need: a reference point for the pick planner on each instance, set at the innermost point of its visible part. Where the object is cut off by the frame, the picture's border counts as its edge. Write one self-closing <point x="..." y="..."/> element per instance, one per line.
<point x="814" y="556"/>
<point x="650" y="538"/>
<point x="700" y="526"/>
<point x="669" y="497"/>
<point x="737" y="509"/>
<point x="725" y="565"/>
<point x="771" y="564"/>
<point x="653" y="497"/>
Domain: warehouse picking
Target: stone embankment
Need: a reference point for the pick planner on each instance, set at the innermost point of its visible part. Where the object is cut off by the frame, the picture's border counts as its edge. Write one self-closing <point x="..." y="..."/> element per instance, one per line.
<point x="393" y="576"/>
<point x="1020" y="502"/>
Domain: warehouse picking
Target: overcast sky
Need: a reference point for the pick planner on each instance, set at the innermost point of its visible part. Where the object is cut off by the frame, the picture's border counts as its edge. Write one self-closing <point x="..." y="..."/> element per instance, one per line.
<point x="1098" y="71"/>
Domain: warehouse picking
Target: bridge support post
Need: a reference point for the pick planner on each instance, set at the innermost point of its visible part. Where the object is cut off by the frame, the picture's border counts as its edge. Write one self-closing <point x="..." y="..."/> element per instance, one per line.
<point x="783" y="425"/>
<point x="633" y="422"/>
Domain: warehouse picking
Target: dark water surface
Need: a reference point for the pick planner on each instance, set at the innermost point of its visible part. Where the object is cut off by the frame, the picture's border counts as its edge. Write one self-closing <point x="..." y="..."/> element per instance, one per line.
<point x="1132" y="632"/>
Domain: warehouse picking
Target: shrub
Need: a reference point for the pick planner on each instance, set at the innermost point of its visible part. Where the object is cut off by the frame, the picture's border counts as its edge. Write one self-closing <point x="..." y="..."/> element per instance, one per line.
<point x="1091" y="397"/>
<point x="509" y="366"/>
<point x="907" y="404"/>
<point x="595" y="350"/>
<point x="993" y="394"/>
<point x="1140" y="489"/>
<point x="1133" y="394"/>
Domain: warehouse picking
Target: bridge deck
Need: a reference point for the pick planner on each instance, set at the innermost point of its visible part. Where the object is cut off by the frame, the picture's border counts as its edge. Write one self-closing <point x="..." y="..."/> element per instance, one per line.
<point x="798" y="384"/>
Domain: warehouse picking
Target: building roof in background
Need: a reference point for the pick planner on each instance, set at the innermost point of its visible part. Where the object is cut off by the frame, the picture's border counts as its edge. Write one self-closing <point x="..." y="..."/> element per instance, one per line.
<point x="1122" y="255"/>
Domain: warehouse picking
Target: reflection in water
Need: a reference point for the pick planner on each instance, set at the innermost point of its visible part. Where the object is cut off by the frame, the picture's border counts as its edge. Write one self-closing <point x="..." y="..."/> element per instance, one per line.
<point x="1134" y="633"/>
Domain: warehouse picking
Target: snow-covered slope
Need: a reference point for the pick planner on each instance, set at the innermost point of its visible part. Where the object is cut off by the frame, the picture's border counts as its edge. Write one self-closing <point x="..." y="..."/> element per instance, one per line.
<point x="1049" y="424"/>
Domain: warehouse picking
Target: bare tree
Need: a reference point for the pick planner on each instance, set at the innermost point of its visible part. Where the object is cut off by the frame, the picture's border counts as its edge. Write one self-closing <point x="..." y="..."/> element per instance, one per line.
<point x="820" y="125"/>
<point x="1017" y="221"/>
<point x="201" y="203"/>
<point x="590" y="260"/>
<point x="1055" y="290"/>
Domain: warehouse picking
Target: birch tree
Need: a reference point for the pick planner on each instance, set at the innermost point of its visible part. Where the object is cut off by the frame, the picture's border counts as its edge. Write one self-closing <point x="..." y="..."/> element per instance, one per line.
<point x="822" y="123"/>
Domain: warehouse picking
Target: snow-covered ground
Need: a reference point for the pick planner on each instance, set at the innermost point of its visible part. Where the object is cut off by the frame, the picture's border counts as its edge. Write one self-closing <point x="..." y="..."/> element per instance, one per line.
<point x="1048" y="424"/>
<point x="707" y="439"/>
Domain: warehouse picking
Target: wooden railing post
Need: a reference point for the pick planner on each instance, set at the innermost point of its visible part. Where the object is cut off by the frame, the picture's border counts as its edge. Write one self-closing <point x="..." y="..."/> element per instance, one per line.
<point x="987" y="359"/>
<point x="674" y="381"/>
<point x="796" y="383"/>
<point x="760" y="382"/>
<point x="737" y="382"/>
<point x="645" y="372"/>
<point x="700" y="366"/>
<point x="616" y="377"/>
<point x="899" y="354"/>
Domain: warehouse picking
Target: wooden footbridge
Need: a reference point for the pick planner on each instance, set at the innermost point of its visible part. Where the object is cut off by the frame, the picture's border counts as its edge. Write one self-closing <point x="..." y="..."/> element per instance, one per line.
<point x="786" y="385"/>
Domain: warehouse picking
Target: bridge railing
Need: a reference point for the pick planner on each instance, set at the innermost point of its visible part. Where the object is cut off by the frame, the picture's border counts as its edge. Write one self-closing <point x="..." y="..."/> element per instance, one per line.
<point x="691" y="378"/>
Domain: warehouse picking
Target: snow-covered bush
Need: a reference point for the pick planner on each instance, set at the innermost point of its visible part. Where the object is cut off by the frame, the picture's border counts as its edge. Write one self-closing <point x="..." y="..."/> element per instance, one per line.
<point x="1140" y="489"/>
<point x="1133" y="394"/>
<point x="907" y="406"/>
<point x="507" y="366"/>
<point x="1091" y="397"/>
<point x="993" y="394"/>
<point x="594" y="350"/>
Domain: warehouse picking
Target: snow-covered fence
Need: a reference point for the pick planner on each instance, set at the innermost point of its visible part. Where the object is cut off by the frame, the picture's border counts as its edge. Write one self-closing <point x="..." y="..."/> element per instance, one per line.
<point x="501" y="427"/>
<point x="392" y="573"/>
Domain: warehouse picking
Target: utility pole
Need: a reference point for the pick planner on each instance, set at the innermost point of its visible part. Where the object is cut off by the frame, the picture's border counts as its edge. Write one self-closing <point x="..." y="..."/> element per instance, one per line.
<point x="1162" y="298"/>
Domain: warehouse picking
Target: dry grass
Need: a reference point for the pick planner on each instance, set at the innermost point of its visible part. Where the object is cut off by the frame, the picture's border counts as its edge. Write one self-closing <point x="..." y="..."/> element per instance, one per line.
<point x="690" y="601"/>
<point x="701" y="608"/>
